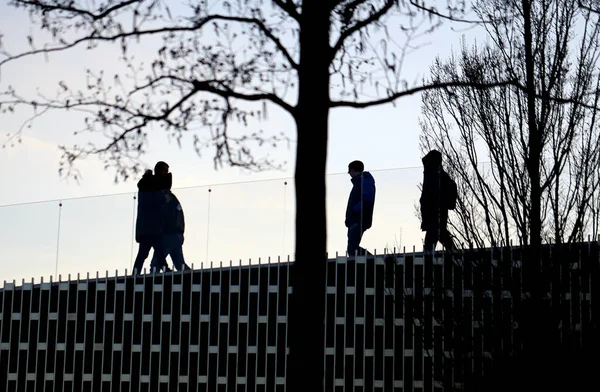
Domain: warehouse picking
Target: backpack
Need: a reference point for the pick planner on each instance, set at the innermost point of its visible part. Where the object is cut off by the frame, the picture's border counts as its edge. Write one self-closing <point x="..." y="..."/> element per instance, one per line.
<point x="449" y="192"/>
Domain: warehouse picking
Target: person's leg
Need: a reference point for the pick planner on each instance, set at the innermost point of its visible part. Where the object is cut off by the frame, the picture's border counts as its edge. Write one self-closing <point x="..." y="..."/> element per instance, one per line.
<point x="431" y="238"/>
<point x="446" y="240"/>
<point x="176" y="252"/>
<point x="354" y="237"/>
<point x="161" y="250"/>
<point x="445" y="237"/>
<point x="160" y="263"/>
<point x="142" y="255"/>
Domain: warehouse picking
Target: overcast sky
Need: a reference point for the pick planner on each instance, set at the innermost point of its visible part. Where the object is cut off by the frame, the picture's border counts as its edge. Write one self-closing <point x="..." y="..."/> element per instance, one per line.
<point x="251" y="217"/>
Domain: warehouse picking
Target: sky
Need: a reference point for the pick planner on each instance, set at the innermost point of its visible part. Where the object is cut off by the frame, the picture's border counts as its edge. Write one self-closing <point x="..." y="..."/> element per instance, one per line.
<point x="51" y="225"/>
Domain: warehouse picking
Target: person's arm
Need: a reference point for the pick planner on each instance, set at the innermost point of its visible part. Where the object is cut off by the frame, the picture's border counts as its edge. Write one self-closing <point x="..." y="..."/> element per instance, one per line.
<point x="368" y="195"/>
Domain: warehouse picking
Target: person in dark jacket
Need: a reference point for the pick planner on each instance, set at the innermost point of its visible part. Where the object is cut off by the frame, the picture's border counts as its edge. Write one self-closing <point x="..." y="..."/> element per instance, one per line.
<point x="151" y="198"/>
<point x="359" y="212"/>
<point x="434" y="211"/>
<point x="172" y="229"/>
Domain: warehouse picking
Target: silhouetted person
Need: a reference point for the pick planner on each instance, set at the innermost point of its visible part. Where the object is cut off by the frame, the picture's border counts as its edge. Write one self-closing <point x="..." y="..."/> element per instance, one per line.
<point x="151" y="198"/>
<point x="163" y="180"/>
<point x="172" y="229"/>
<point x="438" y="196"/>
<point x="359" y="212"/>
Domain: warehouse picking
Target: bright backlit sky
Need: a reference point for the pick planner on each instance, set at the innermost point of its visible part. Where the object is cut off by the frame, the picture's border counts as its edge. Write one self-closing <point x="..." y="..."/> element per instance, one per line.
<point x="250" y="219"/>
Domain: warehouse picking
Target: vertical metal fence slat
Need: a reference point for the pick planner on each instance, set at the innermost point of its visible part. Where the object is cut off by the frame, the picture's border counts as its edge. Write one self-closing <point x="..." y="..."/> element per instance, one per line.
<point x="228" y="355"/>
<point x="144" y="295"/>
<point x="19" y="311"/>
<point x="170" y="324"/>
<point x="150" y="356"/>
<point x="37" y="339"/>
<point x="95" y="322"/>
<point x="334" y="326"/>
<point x="268" y="299"/>
<point x="219" y="348"/>
<point x="65" y="331"/>
<point x="256" y="341"/>
<point x="21" y="353"/>
<point x="84" y="329"/>
<point x="248" y="324"/>
<point x="344" y="315"/>
<point x="76" y="291"/>
<point x="54" y="338"/>
<point x="190" y="313"/>
<point x="354" y="345"/>
<point x="210" y="310"/>
<point x="161" y="343"/>
<point x="200" y="311"/>
<point x="365" y="322"/>
<point x="105" y="310"/>
<point x="278" y="299"/>
<point x="31" y="343"/>
<point x="135" y="277"/>
<point x="411" y="326"/>
<point x="239" y="314"/>
<point x="287" y="310"/>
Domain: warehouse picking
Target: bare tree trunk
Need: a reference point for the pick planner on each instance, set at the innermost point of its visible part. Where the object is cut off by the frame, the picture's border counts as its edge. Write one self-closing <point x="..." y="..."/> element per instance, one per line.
<point x="307" y="331"/>
<point x="535" y="139"/>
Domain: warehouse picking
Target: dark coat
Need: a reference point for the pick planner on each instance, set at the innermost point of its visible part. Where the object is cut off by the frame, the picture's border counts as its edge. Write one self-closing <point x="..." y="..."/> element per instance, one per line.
<point x="361" y="201"/>
<point x="151" y="198"/>
<point x="172" y="218"/>
<point x="433" y="212"/>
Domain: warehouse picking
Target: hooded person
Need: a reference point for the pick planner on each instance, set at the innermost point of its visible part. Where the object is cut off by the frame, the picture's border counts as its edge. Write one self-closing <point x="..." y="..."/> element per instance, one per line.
<point x="151" y="198"/>
<point x="361" y="202"/>
<point x="437" y="197"/>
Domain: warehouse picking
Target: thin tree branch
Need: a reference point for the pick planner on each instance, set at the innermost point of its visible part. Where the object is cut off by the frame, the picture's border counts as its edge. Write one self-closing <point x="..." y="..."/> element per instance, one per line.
<point x="260" y="25"/>
<point x="360" y="25"/>
<point x="289" y="7"/>
<point x="93" y="37"/>
<point x="223" y="91"/>
<point x="198" y="24"/>
<point x="352" y="4"/>
<point x="433" y="11"/>
<point x="588" y="7"/>
<point x="393" y="97"/>
<point x="69" y="8"/>
<point x="146" y="119"/>
<point x="226" y="92"/>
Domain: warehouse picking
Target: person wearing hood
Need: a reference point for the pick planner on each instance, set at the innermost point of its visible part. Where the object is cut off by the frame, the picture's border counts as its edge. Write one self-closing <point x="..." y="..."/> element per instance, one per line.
<point x="359" y="212"/>
<point x="438" y="195"/>
<point x="151" y="198"/>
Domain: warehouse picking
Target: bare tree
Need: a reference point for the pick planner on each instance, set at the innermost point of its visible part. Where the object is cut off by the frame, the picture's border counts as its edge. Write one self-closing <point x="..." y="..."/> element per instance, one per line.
<point x="219" y="63"/>
<point x="526" y="158"/>
<point x="474" y="127"/>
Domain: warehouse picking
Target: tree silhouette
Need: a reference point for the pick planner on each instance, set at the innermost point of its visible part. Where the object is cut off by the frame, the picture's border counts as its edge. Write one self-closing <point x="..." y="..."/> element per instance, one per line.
<point x="473" y="126"/>
<point x="218" y="64"/>
<point x="541" y="139"/>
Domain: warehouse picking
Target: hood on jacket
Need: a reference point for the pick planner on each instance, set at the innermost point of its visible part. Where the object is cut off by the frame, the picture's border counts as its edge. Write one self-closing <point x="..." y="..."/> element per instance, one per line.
<point x="432" y="159"/>
<point x="146" y="183"/>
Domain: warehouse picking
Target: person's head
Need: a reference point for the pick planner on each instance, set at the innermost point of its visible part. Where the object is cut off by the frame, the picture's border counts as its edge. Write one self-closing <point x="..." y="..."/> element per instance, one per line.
<point x="433" y="159"/>
<point x="355" y="168"/>
<point x="161" y="169"/>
